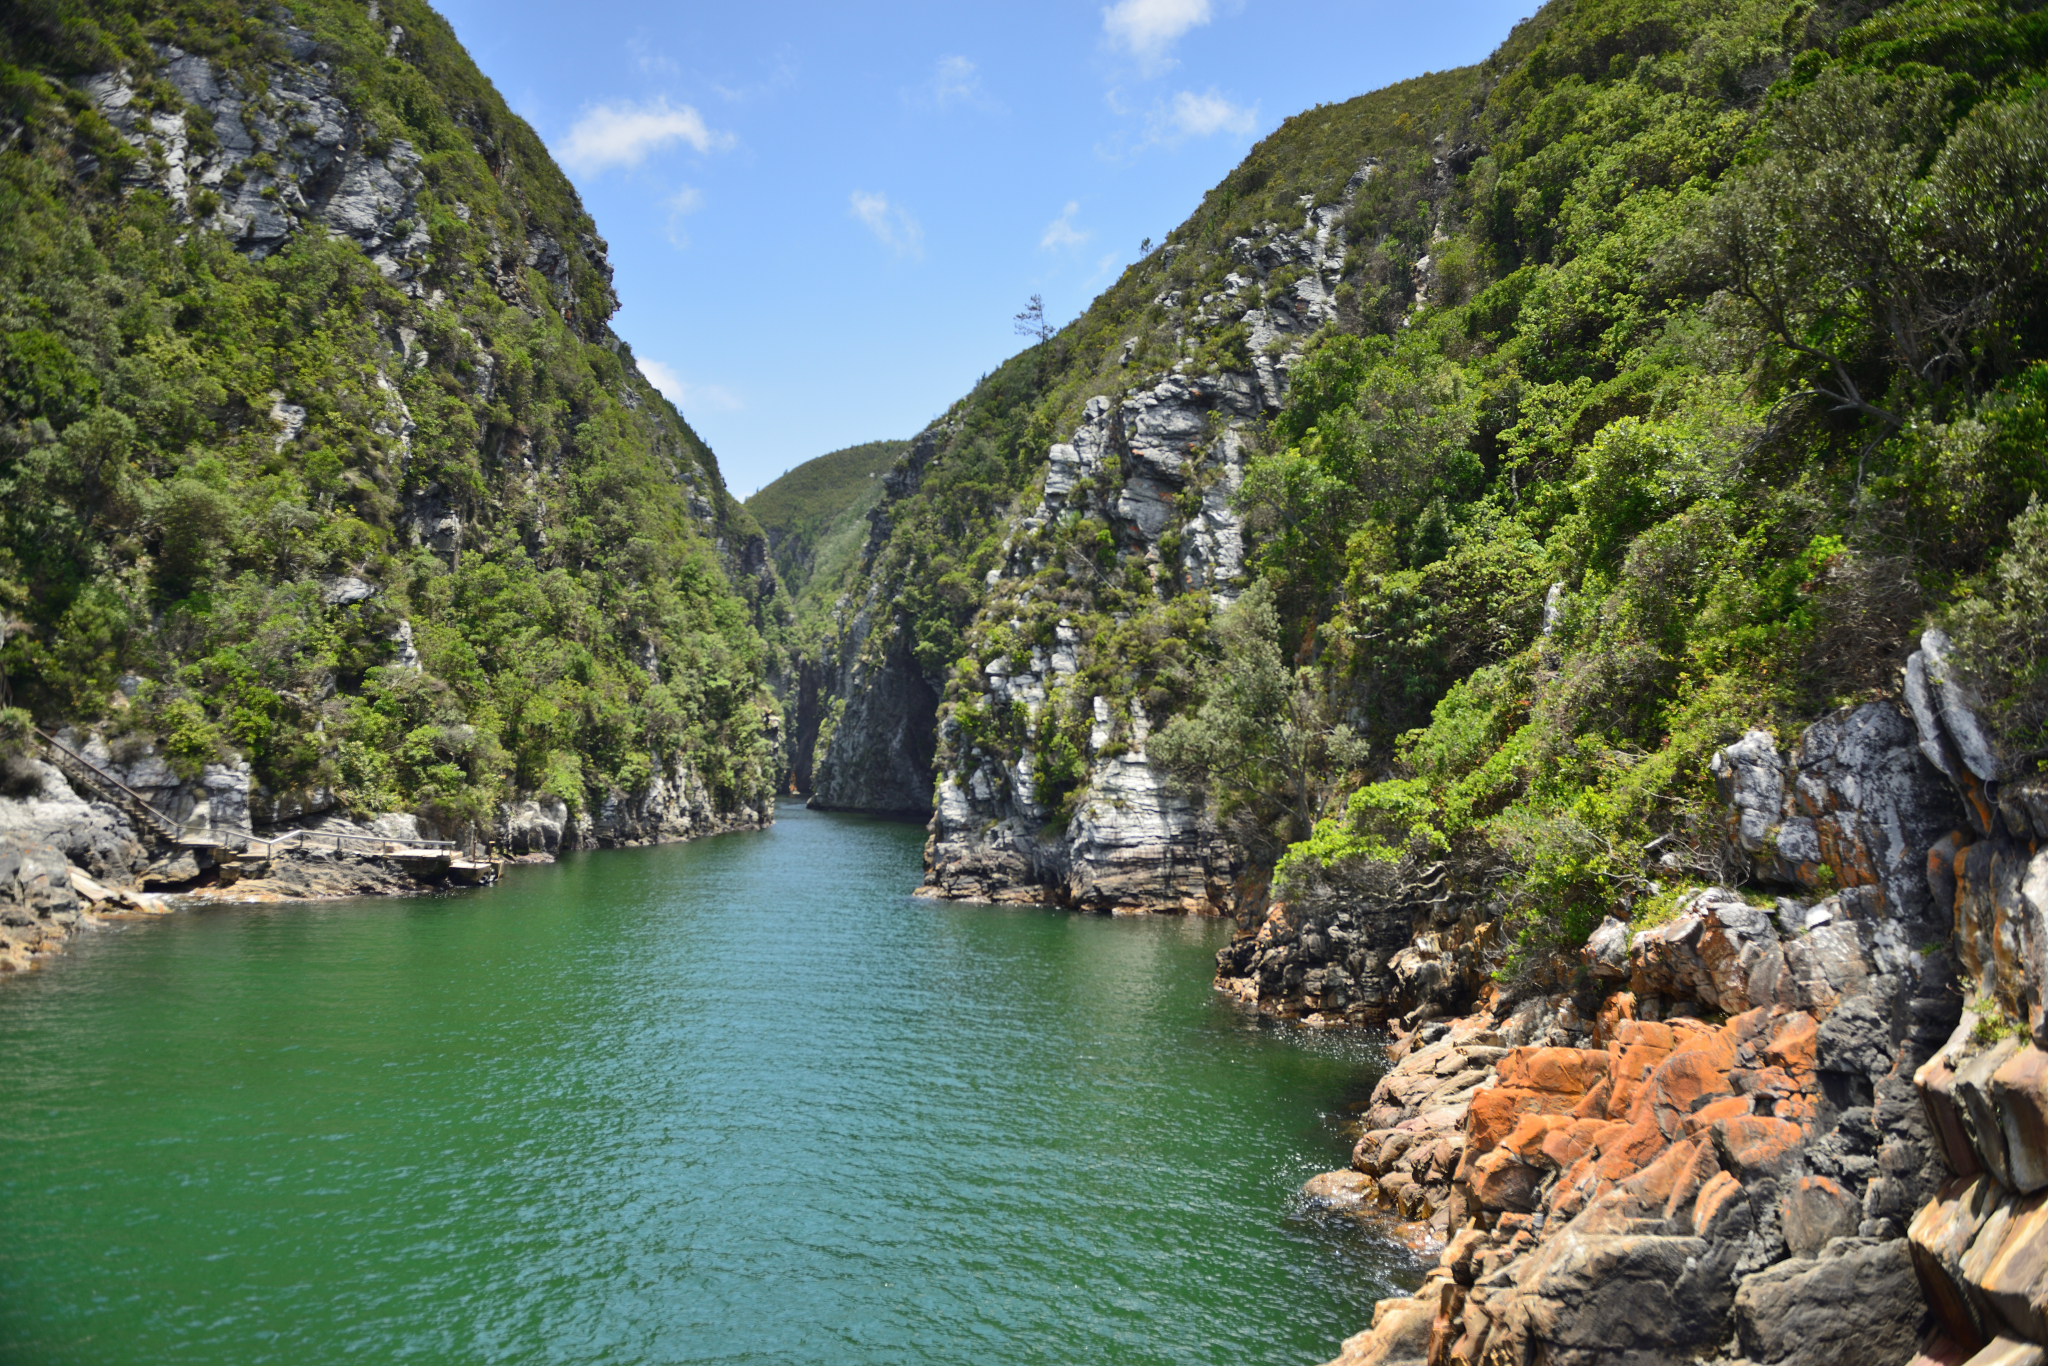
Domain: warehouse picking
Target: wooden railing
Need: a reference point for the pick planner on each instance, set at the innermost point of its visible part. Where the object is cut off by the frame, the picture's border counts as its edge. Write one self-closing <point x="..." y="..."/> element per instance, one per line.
<point x="112" y="789"/>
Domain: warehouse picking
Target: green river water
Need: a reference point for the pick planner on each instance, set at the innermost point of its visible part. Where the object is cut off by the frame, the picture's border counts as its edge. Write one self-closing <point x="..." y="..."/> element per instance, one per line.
<point x="740" y="1100"/>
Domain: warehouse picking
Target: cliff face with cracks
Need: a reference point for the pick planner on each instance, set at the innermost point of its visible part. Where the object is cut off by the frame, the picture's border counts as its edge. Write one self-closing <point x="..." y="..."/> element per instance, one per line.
<point x="1154" y="462"/>
<point x="1803" y="1130"/>
<point x="1134" y="839"/>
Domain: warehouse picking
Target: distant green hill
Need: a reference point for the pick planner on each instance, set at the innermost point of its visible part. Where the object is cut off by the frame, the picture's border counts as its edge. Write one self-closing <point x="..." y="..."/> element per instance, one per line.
<point x="815" y="516"/>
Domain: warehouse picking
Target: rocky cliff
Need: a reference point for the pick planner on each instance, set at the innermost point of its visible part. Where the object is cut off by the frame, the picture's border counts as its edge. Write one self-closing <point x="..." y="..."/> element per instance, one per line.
<point x="1800" y="1127"/>
<point x="333" y="490"/>
<point x="1129" y="526"/>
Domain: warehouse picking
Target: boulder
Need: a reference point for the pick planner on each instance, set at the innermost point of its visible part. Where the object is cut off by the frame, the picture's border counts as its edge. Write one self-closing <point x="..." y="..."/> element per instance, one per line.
<point x="1816" y="1211"/>
<point x="39" y="906"/>
<point x="1978" y="1110"/>
<point x="1346" y="1190"/>
<point x="1607" y="950"/>
<point x="1614" y="1299"/>
<point x="1856" y="1301"/>
<point x="1940" y="1237"/>
<point x="2019" y="1100"/>
<point x="1399" y="1335"/>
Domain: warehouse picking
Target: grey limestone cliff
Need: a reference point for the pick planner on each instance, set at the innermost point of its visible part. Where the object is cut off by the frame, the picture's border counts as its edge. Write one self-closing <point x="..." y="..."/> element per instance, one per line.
<point x="1158" y="460"/>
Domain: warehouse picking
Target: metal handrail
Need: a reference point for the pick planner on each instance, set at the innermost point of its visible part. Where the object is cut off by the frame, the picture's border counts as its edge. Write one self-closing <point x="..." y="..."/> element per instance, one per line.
<point x="301" y="837"/>
<point x="166" y="823"/>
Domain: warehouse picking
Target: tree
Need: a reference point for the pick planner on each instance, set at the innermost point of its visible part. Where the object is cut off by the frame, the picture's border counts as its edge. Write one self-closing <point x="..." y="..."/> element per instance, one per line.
<point x="1031" y="321"/>
<point x="1262" y="741"/>
<point x="1867" y="255"/>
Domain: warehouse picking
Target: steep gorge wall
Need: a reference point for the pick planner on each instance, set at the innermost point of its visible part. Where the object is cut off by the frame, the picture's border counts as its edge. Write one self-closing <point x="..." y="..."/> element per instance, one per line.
<point x="1154" y="463"/>
<point x="421" y="539"/>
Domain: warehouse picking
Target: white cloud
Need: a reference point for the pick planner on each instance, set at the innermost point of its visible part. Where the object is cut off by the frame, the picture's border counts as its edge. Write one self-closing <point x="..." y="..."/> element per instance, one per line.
<point x="1147" y="28"/>
<point x="782" y="77"/>
<point x="1200" y="116"/>
<point x="684" y="394"/>
<point x="651" y="60"/>
<point x="956" y="82"/>
<point x="681" y="205"/>
<point x="625" y="134"/>
<point x="1061" y="232"/>
<point x="892" y="224"/>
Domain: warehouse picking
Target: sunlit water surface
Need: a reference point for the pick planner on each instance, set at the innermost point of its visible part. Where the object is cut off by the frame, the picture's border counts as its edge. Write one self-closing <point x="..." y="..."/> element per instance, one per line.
<point x="741" y="1100"/>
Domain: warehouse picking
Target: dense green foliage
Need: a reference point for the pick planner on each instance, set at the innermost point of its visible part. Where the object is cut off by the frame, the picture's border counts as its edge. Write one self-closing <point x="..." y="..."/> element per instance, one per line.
<point x="1747" y="363"/>
<point x="1688" y="360"/>
<point x="168" y="547"/>
<point x="815" y="516"/>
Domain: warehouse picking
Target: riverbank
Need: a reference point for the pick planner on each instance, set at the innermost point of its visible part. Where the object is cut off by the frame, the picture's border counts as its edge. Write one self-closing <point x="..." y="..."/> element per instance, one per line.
<point x="68" y="863"/>
<point x="1792" y="1128"/>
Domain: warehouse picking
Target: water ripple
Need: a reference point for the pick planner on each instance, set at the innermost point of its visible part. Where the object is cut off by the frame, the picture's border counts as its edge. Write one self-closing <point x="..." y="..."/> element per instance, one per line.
<point x="735" y="1101"/>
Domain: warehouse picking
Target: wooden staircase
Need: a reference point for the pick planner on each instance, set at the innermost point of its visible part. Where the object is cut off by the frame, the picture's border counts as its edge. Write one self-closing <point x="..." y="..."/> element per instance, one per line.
<point x="111" y="790"/>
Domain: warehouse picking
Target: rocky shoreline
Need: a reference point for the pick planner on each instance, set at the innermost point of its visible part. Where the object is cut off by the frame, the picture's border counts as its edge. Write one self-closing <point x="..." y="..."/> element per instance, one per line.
<point x="68" y="864"/>
<point x="1798" y="1124"/>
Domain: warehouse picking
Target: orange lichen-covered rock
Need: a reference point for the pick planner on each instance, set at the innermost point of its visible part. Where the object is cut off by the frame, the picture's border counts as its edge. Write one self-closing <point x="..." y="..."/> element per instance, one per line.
<point x="1720" y="1207"/>
<point x="1560" y="1071"/>
<point x="1704" y="1167"/>
<point x="1563" y="1147"/>
<point x="1527" y="1138"/>
<point x="1727" y="1107"/>
<point x="1753" y="1145"/>
<point x="1630" y="1151"/>
<point x="1644" y="1044"/>
<point x="1651" y="1189"/>
<point x="1618" y="1010"/>
<point x="1494" y="1114"/>
<point x="1792" y="1044"/>
<point x="1685" y="1081"/>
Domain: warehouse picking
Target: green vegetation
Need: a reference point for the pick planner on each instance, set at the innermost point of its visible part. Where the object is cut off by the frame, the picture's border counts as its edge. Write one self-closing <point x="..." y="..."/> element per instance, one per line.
<point x="1688" y="360"/>
<point x="477" y="447"/>
<point x="1748" y="364"/>
<point x="815" y="516"/>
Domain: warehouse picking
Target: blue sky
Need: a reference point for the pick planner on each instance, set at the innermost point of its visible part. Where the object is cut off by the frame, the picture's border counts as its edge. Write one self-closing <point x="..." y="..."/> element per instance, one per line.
<point x="823" y="216"/>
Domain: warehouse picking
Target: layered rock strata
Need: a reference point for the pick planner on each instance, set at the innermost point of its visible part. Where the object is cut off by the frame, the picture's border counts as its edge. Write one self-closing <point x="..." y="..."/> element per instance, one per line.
<point x="1133" y="839"/>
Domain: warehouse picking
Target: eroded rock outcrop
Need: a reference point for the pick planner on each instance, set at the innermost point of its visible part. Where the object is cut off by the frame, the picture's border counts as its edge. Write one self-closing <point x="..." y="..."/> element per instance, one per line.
<point x="1155" y="463"/>
<point x="1130" y="838"/>
<point x="1625" y="1189"/>
<point x="39" y="909"/>
<point x="1765" y="1131"/>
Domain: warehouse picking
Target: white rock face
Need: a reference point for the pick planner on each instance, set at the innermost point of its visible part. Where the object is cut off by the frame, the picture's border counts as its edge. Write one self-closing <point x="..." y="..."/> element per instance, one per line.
<point x="670" y="807"/>
<point x="1133" y="840"/>
<point x="317" y="174"/>
<point x="1308" y="305"/>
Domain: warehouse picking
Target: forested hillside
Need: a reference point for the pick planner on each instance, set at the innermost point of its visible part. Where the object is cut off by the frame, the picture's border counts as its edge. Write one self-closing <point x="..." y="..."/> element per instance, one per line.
<point x="317" y="448"/>
<point x="815" y="516"/>
<point x="1657" y="379"/>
